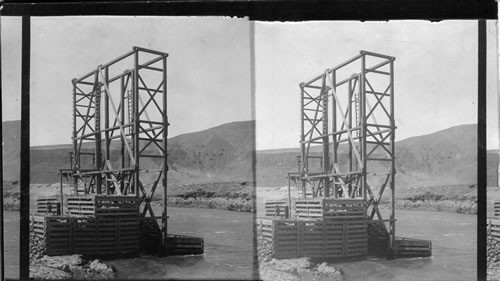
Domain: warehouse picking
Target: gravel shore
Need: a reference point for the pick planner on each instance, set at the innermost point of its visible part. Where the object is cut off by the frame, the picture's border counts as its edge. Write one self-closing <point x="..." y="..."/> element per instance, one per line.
<point x="493" y="257"/>
<point x="454" y="206"/>
<point x="65" y="267"/>
<point x="298" y="269"/>
<point x="220" y="203"/>
<point x="69" y="267"/>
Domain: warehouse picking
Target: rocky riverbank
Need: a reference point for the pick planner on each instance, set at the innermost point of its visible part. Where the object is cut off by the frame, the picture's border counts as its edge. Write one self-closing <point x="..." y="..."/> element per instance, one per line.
<point x="271" y="269"/>
<point x="69" y="267"/>
<point x="11" y="197"/>
<point x="231" y="196"/>
<point x="66" y="267"/>
<point x="221" y="203"/>
<point x="455" y="206"/>
<point x="492" y="257"/>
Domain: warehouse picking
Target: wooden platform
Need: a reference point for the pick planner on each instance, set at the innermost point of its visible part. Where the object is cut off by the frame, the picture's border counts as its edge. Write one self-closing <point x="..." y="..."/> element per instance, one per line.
<point x="277" y="208"/>
<point x="295" y="238"/>
<point x="330" y="209"/>
<point x="409" y="247"/>
<point x="93" y="225"/>
<point x="65" y="235"/>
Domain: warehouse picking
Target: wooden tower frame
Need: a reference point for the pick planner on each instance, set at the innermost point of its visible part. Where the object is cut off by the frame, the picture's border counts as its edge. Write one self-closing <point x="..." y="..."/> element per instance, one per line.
<point x="347" y="134"/>
<point x="120" y="122"/>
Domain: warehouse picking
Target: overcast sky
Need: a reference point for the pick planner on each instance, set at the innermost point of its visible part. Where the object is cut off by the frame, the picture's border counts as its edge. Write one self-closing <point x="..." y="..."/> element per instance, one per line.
<point x="435" y="72"/>
<point x="208" y="67"/>
<point x="209" y="70"/>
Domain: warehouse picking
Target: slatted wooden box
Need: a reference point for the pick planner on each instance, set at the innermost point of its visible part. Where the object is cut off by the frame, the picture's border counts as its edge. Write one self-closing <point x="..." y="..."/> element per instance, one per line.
<point x="277" y="208"/>
<point x="408" y="247"/>
<point x="55" y="233"/>
<point x="496" y="208"/>
<point x="105" y="235"/>
<point x="184" y="245"/>
<point x="48" y="205"/>
<point x="103" y="206"/>
<point x="494" y="227"/>
<point x="295" y="238"/>
<point x="330" y="209"/>
<point x="65" y="235"/>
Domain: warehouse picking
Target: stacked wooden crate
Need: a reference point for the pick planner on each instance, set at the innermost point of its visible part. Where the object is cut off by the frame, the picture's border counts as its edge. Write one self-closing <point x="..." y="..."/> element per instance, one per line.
<point x="496" y="208"/>
<point x="324" y="228"/>
<point x="96" y="225"/>
<point x="494" y="222"/>
<point x="277" y="208"/>
<point x="54" y="231"/>
<point x="344" y="222"/>
<point x="48" y="205"/>
<point x="330" y="209"/>
<point x="494" y="228"/>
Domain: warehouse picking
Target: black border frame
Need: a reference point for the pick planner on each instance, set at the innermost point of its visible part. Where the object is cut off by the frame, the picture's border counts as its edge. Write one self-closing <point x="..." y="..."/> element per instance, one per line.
<point x="273" y="10"/>
<point x="481" y="153"/>
<point x="267" y="10"/>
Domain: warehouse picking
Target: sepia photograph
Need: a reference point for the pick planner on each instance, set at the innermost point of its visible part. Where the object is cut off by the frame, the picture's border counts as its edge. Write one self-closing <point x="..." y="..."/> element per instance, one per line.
<point x="366" y="138"/>
<point x="141" y="148"/>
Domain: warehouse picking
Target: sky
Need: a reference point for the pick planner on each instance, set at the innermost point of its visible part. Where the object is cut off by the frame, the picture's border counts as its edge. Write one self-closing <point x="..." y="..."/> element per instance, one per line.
<point x="435" y="72"/>
<point x="209" y="79"/>
<point x="208" y="67"/>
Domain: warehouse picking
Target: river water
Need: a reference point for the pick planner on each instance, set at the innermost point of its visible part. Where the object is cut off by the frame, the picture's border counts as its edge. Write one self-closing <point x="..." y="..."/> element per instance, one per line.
<point x="11" y="244"/>
<point x="454" y="254"/>
<point x="454" y="249"/>
<point x="229" y="249"/>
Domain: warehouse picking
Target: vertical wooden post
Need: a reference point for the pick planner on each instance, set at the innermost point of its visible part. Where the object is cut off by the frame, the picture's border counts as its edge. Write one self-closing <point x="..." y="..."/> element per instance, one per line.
<point x="326" y="138"/>
<point x="165" y="152"/>
<point x="349" y="127"/>
<point x="61" y="191"/>
<point x="123" y="138"/>
<point x="289" y="199"/>
<point x="393" y="156"/>
<point x="106" y="133"/>
<point x="98" y="150"/>
<point x="334" y="129"/>
<point x="74" y="136"/>
<point x="302" y="139"/>
<point x="362" y="95"/>
<point x="135" y="120"/>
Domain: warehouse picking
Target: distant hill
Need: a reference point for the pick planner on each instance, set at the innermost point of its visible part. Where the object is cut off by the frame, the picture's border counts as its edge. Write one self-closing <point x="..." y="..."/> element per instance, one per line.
<point x="223" y="153"/>
<point x="11" y="148"/>
<point x="447" y="157"/>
